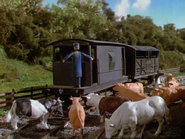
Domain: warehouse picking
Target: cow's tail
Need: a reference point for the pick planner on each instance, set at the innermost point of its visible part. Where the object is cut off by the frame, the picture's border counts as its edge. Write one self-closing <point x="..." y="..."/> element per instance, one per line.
<point x="9" y="115"/>
<point x="167" y="115"/>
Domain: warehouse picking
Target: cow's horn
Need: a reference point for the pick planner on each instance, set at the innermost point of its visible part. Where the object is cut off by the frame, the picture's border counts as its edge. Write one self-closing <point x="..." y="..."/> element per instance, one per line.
<point x="88" y="97"/>
<point x="111" y="125"/>
<point x="58" y="99"/>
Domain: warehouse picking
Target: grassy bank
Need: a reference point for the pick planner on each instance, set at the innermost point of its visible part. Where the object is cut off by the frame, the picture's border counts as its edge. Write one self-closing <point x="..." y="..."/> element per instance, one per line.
<point x="15" y="74"/>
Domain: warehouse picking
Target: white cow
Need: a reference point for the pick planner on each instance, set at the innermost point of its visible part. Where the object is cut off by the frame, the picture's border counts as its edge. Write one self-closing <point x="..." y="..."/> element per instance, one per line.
<point x="33" y="109"/>
<point x="129" y="114"/>
<point x="94" y="100"/>
<point x="161" y="80"/>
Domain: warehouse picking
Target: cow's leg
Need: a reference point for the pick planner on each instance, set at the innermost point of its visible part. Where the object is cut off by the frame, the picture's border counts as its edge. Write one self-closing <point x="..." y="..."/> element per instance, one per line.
<point x="102" y="117"/>
<point x="121" y="132"/>
<point x="183" y="100"/>
<point x="44" y="119"/>
<point x="73" y="130"/>
<point x="159" y="129"/>
<point x="82" y="132"/>
<point x="167" y="101"/>
<point x="14" y="121"/>
<point x="133" y="129"/>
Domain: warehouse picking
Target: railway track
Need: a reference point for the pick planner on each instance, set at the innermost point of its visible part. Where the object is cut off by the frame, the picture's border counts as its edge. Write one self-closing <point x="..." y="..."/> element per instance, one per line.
<point x="60" y="127"/>
<point x="57" y="124"/>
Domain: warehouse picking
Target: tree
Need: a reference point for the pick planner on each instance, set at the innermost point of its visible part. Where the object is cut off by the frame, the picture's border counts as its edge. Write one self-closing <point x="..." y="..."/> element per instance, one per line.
<point x="26" y="36"/>
<point x="82" y="19"/>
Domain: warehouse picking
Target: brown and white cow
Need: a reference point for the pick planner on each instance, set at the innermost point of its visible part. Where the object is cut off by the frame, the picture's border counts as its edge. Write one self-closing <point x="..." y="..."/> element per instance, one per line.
<point x="105" y="103"/>
<point x="33" y="109"/>
<point x="125" y="92"/>
<point x="162" y="80"/>
<point x="77" y="115"/>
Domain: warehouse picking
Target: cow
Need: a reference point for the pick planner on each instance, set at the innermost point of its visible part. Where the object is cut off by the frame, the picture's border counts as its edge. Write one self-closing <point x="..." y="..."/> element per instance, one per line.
<point x="165" y="93"/>
<point x="33" y="109"/>
<point x="162" y="80"/>
<point x="171" y="94"/>
<point x="129" y="114"/>
<point x="53" y="105"/>
<point x="180" y="95"/>
<point x="171" y="82"/>
<point x="77" y="115"/>
<point x="125" y="92"/>
<point x="105" y="103"/>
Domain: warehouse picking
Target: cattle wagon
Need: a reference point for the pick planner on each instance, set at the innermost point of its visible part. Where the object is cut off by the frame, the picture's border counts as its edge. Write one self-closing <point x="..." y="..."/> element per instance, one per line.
<point x="112" y="63"/>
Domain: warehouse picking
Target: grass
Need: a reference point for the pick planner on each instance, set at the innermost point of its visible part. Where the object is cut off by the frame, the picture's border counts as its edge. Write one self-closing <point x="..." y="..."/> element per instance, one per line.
<point x="27" y="75"/>
<point x="179" y="74"/>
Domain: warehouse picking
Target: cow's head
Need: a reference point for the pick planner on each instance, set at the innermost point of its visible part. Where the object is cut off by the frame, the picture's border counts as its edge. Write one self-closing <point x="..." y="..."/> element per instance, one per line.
<point x="75" y="99"/>
<point x="156" y="92"/>
<point x="57" y="107"/>
<point x="110" y="129"/>
<point x="89" y="101"/>
<point x="117" y="87"/>
<point x="172" y="83"/>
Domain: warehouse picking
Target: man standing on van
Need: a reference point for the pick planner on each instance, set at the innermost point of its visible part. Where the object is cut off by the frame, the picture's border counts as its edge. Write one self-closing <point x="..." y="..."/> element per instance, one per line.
<point x="77" y="64"/>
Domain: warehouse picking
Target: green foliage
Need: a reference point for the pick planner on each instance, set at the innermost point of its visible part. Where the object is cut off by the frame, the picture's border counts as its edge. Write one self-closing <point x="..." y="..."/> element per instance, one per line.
<point x="3" y="54"/>
<point x="25" y="34"/>
<point x="170" y="59"/>
<point x="182" y="67"/>
<point x="77" y="19"/>
<point x="27" y="27"/>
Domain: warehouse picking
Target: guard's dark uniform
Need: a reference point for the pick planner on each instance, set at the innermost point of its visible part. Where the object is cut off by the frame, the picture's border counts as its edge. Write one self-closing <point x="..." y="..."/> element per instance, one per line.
<point x="77" y="64"/>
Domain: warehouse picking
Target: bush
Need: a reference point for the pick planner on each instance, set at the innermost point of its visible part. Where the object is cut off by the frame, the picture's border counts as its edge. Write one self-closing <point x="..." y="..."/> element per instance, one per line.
<point x="170" y="59"/>
<point x="182" y="68"/>
<point x="12" y="75"/>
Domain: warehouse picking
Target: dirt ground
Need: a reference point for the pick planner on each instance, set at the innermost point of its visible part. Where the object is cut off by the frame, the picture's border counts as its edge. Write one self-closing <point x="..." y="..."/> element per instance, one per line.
<point x="176" y="128"/>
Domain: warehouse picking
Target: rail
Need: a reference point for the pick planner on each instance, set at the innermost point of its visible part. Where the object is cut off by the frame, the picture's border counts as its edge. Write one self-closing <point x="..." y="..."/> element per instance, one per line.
<point x="6" y="99"/>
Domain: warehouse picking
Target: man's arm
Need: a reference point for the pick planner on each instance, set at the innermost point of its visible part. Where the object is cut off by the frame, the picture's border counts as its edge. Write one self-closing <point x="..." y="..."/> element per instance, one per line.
<point x="88" y="56"/>
<point x="68" y="56"/>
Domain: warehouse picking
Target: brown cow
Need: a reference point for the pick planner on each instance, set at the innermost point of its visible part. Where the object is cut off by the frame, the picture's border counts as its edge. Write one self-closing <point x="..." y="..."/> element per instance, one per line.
<point x="165" y="93"/>
<point x="171" y="82"/>
<point x="170" y="78"/>
<point x="180" y="94"/>
<point x="125" y="92"/>
<point x="77" y="115"/>
<point x="171" y="94"/>
<point x="110" y="104"/>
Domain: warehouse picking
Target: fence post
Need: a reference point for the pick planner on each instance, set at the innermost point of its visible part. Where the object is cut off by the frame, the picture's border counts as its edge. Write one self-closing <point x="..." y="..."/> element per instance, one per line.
<point x="13" y="97"/>
<point x="46" y="91"/>
<point x="31" y="92"/>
